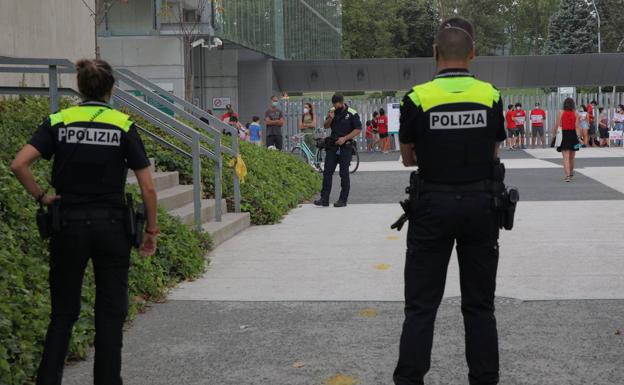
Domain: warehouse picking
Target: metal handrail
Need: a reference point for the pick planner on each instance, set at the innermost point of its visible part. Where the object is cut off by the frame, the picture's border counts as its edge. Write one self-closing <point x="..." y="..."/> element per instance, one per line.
<point x="214" y="126"/>
<point x="174" y="127"/>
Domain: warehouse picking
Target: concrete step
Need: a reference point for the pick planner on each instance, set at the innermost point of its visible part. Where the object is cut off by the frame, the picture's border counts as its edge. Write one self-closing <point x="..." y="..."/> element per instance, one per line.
<point x="162" y="180"/>
<point x="208" y="208"/>
<point x="175" y="197"/>
<point x="230" y="225"/>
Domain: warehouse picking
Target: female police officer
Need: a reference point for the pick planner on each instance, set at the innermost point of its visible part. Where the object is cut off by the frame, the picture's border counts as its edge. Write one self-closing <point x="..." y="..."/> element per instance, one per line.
<point x="93" y="146"/>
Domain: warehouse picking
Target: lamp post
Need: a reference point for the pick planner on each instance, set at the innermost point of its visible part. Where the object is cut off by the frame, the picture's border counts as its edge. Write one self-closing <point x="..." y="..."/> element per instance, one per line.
<point x="599" y="40"/>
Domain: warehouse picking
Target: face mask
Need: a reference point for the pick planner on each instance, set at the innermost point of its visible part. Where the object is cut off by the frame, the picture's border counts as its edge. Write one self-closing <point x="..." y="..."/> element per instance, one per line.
<point x="306" y="110"/>
<point x="518" y="108"/>
<point x="275" y="104"/>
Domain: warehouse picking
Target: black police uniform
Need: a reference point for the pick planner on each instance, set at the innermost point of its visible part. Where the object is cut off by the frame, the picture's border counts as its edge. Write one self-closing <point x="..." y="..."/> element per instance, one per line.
<point x="345" y="121"/>
<point x="93" y="146"/>
<point x="455" y="122"/>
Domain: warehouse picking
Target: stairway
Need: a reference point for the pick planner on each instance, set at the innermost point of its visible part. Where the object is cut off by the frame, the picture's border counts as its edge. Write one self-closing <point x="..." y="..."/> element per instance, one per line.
<point x="177" y="199"/>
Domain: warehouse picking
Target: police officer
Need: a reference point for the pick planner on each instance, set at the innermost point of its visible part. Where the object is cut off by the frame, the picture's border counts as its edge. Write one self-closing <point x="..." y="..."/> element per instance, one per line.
<point x="345" y="125"/>
<point x="93" y="146"/>
<point x="450" y="127"/>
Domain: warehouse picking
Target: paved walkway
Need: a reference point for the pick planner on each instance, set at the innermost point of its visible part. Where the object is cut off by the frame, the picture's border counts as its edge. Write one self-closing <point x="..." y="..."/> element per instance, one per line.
<point x="303" y="302"/>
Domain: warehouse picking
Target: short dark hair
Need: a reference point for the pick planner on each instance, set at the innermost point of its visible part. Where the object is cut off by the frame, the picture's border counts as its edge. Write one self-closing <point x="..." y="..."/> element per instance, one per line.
<point x="95" y="78"/>
<point x="382" y="111"/>
<point x="255" y="119"/>
<point x="509" y="106"/>
<point x="584" y="107"/>
<point x="455" y="38"/>
<point x="337" y="98"/>
<point x="518" y="104"/>
<point x="569" y="105"/>
<point x="375" y="113"/>
<point x="368" y="122"/>
<point x="594" y="102"/>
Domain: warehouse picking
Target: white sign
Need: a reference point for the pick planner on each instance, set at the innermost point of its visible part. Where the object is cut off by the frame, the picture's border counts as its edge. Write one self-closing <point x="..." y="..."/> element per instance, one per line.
<point x="394" y="114"/>
<point x="567" y="91"/>
<point x="220" y="103"/>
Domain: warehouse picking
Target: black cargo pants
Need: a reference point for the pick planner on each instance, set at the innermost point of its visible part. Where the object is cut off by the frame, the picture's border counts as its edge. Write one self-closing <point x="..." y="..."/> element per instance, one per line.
<point x="436" y="222"/>
<point x="104" y="239"/>
<point x="333" y="158"/>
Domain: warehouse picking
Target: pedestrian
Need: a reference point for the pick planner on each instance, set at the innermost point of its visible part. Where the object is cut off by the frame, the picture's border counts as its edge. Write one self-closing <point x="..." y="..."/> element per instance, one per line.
<point x="345" y="125"/>
<point x="511" y="128"/>
<point x="568" y="121"/>
<point x="618" y="122"/>
<point x="369" y="136"/>
<point x="592" y="110"/>
<point x="229" y="112"/>
<point x="519" y="118"/>
<point x="93" y="146"/>
<point x="382" y="127"/>
<point x="274" y="120"/>
<point x="603" y="127"/>
<point x="255" y="131"/>
<point x="452" y="126"/>
<point x="376" y="139"/>
<point x="584" y="125"/>
<point x="537" y="117"/>
<point x="307" y="124"/>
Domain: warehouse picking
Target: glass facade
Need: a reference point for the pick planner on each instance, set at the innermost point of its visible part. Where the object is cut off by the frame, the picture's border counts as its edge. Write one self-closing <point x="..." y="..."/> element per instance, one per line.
<point x="285" y="29"/>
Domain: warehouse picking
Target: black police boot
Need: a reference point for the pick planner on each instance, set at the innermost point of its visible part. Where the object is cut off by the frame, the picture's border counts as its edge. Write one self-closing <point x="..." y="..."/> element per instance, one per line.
<point x="340" y="203"/>
<point x="320" y="202"/>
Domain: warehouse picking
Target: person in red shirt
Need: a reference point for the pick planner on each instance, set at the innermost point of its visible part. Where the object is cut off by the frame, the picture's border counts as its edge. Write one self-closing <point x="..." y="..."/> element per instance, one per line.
<point x="568" y="123"/>
<point x="537" y="116"/>
<point x="511" y="128"/>
<point x="382" y="127"/>
<point x="519" y="118"/>
<point x="225" y="118"/>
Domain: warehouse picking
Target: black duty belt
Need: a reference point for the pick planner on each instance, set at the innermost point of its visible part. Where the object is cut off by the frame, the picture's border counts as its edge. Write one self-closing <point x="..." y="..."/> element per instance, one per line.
<point x="86" y="214"/>
<point x="482" y="186"/>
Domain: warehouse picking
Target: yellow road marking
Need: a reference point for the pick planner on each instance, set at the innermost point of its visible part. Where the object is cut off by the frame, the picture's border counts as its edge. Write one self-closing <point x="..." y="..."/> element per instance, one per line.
<point x="341" y="379"/>
<point x="382" y="266"/>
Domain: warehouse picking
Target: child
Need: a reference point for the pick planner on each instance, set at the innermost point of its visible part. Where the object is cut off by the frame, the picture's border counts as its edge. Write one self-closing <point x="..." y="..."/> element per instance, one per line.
<point x="370" y="137"/>
<point x="242" y="133"/>
<point x="255" y="131"/>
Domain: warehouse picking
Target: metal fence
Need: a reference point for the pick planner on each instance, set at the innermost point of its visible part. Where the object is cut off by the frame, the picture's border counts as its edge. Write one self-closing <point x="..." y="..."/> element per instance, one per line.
<point x="551" y="103"/>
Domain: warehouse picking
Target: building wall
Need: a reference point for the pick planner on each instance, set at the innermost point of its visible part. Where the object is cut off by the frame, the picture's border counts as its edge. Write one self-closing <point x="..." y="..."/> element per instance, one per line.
<point x="45" y="29"/>
<point x="256" y="85"/>
<point x="220" y="76"/>
<point x="157" y="58"/>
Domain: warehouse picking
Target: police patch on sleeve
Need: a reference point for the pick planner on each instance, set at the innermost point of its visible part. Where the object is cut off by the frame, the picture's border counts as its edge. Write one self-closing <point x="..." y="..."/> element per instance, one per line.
<point x="457" y="120"/>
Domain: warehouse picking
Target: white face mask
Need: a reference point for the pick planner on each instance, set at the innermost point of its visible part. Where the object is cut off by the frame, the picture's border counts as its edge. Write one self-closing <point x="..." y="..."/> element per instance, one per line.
<point x="306" y="110"/>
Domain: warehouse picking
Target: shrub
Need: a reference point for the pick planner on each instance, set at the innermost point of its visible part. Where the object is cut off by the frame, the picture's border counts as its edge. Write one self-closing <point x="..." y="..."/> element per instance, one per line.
<point x="24" y="293"/>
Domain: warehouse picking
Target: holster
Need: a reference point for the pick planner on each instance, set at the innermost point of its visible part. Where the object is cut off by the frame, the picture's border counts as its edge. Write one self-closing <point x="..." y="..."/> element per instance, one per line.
<point x="504" y="200"/>
<point x="49" y="220"/>
<point x="135" y="221"/>
<point x="413" y="190"/>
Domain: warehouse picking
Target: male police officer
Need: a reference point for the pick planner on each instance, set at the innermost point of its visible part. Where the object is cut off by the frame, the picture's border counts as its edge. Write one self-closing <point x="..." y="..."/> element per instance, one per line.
<point x="345" y="125"/>
<point x="451" y="127"/>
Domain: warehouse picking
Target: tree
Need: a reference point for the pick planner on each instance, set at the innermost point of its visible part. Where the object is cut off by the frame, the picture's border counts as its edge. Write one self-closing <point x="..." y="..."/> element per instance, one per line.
<point x="421" y="20"/>
<point x="488" y="18"/>
<point x="527" y="25"/>
<point x="572" y="29"/>
<point x="612" y="24"/>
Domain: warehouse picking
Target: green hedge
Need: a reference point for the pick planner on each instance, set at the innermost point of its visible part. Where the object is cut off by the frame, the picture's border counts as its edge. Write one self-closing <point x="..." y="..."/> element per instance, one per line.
<point x="24" y="297"/>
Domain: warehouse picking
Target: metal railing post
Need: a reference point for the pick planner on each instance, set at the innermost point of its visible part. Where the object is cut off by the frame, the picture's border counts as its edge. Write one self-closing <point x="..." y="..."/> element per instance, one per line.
<point x="53" y="82"/>
<point x="218" y="182"/>
<point x="236" y="181"/>
<point x="197" y="183"/>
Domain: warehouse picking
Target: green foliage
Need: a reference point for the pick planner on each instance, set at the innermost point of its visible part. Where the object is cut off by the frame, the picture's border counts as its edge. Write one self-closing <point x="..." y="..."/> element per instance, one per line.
<point x="24" y="296"/>
<point x="612" y="24"/>
<point x="527" y="25"/>
<point x="572" y="29"/>
<point x="394" y="28"/>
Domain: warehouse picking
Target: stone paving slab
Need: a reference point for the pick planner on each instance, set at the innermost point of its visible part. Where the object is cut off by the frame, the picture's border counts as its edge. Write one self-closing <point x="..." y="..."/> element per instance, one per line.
<point x="202" y="343"/>
<point x="558" y="250"/>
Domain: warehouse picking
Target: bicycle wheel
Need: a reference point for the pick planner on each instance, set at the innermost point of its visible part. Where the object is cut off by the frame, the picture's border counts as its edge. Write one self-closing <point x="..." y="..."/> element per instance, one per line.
<point x="320" y="159"/>
<point x="355" y="160"/>
<point x="300" y="154"/>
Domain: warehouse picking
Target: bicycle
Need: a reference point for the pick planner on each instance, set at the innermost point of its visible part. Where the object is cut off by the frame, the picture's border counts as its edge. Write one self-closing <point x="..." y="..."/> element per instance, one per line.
<point x="317" y="158"/>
